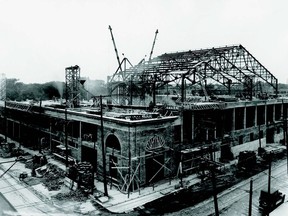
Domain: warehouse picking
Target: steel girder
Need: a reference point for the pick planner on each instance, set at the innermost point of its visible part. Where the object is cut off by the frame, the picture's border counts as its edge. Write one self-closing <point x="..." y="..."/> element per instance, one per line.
<point x="230" y="65"/>
<point x="72" y="77"/>
<point x="2" y="87"/>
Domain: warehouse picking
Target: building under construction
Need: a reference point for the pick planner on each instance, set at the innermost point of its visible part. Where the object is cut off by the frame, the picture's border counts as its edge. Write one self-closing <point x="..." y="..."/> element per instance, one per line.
<point x="160" y="117"/>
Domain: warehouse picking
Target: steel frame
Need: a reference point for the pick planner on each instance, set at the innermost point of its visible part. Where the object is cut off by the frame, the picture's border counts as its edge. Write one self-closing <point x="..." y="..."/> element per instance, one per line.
<point x="2" y="87"/>
<point x="72" y="76"/>
<point x="229" y="66"/>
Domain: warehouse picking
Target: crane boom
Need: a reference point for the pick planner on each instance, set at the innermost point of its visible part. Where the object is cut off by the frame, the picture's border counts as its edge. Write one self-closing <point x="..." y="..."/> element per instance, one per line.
<point x="115" y="48"/>
<point x="153" y="45"/>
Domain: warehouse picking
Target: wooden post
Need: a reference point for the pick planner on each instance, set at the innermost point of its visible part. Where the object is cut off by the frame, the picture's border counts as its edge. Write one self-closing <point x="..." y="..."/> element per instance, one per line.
<point x="129" y="164"/>
<point x="66" y="136"/>
<point x="214" y="191"/>
<point x="259" y="136"/>
<point x="269" y="184"/>
<point x="285" y="134"/>
<point x="6" y="123"/>
<point x="65" y="123"/>
<point x="181" y="169"/>
<point x="103" y="149"/>
<point x="50" y="136"/>
<point x="250" y="198"/>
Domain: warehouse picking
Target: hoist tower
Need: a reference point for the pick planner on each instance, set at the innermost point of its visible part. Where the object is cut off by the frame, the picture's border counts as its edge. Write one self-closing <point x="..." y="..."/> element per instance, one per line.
<point x="2" y="87"/>
<point x="72" y="75"/>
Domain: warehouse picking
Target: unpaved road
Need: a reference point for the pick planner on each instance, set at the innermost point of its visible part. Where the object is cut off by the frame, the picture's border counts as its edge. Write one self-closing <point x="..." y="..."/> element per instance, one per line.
<point x="235" y="200"/>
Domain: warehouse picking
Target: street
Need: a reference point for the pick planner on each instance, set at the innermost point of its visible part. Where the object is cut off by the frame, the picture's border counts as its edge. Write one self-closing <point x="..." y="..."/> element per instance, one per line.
<point x="21" y="196"/>
<point x="235" y="200"/>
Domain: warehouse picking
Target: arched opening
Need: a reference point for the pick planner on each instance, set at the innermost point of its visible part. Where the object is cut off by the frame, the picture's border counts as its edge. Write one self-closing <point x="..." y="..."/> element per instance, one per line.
<point x="154" y="159"/>
<point x="113" y="144"/>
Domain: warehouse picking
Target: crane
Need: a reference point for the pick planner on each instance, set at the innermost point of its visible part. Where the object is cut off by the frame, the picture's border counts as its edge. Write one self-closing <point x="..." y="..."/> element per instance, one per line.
<point x="153" y="45"/>
<point x="115" y="48"/>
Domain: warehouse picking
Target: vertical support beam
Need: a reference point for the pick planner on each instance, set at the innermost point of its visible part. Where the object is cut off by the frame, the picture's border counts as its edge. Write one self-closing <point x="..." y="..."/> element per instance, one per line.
<point x="19" y="134"/>
<point x="229" y="82"/>
<point x="182" y="88"/>
<point x="193" y="127"/>
<point x="233" y="119"/>
<point x="80" y="142"/>
<point x="255" y="114"/>
<point x="65" y="124"/>
<point x="139" y="159"/>
<point x="285" y="133"/>
<point x="131" y="92"/>
<point x="154" y="90"/>
<point x="66" y="136"/>
<point x="269" y="173"/>
<point x="103" y="149"/>
<point x="13" y="130"/>
<point x="250" y="197"/>
<point x="265" y="114"/>
<point x="244" y="117"/>
<point x="259" y="137"/>
<point x="282" y="109"/>
<point x="274" y="108"/>
<point x="6" y="122"/>
<point x="214" y="191"/>
<point x="182" y="126"/>
<point x="129" y="161"/>
<point x="50" y="136"/>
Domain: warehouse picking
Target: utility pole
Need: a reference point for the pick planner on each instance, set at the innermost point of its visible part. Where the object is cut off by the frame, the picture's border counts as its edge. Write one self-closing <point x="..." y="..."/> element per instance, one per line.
<point x="103" y="149"/>
<point x="65" y="125"/>
<point x="259" y="129"/>
<point x="5" y="116"/>
<point x="250" y="197"/>
<point x="269" y="183"/>
<point x="285" y="136"/>
<point x="129" y="163"/>
<point x="269" y="173"/>
<point x="66" y="135"/>
<point x="285" y="140"/>
<point x="285" y="131"/>
<point x="39" y="129"/>
<point x="214" y="190"/>
<point x="181" y="169"/>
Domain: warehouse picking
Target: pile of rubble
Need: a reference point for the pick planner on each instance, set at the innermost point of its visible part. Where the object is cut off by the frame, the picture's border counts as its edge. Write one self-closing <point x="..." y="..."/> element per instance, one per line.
<point x="76" y="195"/>
<point x="53" y="177"/>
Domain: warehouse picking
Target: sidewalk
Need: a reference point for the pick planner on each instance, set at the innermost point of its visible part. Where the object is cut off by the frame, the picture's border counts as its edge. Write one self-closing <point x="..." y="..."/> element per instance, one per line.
<point x="118" y="202"/>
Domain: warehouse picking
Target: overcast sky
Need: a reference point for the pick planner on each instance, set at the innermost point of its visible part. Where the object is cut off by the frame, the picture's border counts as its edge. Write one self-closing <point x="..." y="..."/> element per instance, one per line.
<point x="39" y="38"/>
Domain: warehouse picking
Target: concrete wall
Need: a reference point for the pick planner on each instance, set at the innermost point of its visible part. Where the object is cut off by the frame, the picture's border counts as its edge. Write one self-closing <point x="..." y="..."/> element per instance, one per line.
<point x="133" y="137"/>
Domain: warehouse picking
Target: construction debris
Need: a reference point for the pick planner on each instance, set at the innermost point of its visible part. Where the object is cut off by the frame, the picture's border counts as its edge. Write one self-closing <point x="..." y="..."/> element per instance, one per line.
<point x="83" y="174"/>
<point x="53" y="177"/>
<point x="9" y="149"/>
<point x="247" y="160"/>
<point x="76" y="195"/>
